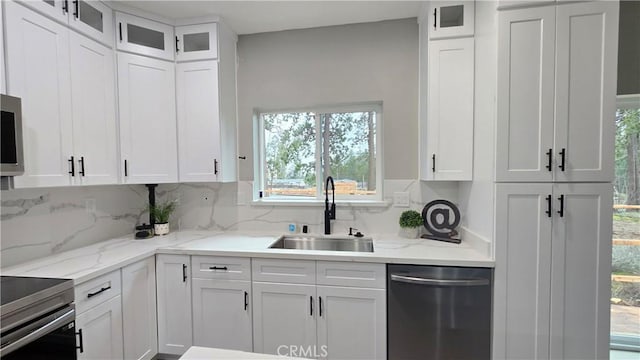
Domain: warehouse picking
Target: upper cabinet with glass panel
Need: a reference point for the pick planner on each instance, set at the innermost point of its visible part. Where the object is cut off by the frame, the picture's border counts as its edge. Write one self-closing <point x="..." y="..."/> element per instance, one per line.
<point x="197" y="42"/>
<point x="144" y="37"/>
<point x="91" y="18"/>
<point x="448" y="19"/>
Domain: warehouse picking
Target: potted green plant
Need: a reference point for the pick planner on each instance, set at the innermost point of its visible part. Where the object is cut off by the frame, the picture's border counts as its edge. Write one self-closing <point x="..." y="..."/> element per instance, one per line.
<point x="161" y="214"/>
<point x="410" y="222"/>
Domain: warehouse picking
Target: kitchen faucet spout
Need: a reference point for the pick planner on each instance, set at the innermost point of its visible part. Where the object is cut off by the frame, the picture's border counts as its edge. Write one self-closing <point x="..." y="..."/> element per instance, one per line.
<point x="329" y="209"/>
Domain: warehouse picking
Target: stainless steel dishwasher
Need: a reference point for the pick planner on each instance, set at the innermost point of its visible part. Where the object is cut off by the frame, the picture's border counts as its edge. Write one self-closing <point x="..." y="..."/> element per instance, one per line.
<point x="438" y="312"/>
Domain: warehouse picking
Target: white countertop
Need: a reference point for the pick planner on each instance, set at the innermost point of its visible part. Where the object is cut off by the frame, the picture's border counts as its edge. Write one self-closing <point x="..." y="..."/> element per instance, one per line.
<point x="204" y="353"/>
<point x="88" y="262"/>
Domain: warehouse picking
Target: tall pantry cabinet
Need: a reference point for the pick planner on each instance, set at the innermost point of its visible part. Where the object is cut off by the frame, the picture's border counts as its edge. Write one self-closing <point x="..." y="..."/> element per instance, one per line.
<point x="554" y="167"/>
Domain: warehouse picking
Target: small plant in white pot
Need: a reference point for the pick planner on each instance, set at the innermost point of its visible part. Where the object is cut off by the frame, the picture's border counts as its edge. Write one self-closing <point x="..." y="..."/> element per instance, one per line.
<point x="410" y="222"/>
<point x="161" y="214"/>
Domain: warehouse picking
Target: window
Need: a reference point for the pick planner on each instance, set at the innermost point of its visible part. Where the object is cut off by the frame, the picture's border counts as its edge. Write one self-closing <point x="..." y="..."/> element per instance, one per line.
<point x="299" y="149"/>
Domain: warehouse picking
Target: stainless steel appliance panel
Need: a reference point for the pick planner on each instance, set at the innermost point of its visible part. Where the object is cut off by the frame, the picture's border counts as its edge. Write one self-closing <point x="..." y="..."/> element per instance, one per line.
<point x="439" y="312"/>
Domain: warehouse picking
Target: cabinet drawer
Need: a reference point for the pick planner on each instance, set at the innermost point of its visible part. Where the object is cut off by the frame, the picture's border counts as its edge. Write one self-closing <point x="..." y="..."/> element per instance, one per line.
<point x="351" y="274"/>
<point x="214" y="267"/>
<point x="94" y="292"/>
<point x="287" y="271"/>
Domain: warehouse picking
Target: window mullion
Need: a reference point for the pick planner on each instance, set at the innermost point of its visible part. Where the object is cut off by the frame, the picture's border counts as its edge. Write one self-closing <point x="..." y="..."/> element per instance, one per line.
<point x="319" y="175"/>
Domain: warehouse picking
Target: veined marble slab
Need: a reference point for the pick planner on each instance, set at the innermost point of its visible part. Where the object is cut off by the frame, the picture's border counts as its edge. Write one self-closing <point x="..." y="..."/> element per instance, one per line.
<point x="205" y="353"/>
<point x="88" y="262"/>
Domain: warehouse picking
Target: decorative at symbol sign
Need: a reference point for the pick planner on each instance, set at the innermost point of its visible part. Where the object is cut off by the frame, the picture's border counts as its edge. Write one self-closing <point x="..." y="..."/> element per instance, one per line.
<point x="441" y="217"/>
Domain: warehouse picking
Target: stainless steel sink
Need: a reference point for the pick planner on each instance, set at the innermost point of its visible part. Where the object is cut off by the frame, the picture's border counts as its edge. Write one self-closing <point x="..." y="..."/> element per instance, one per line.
<point x="323" y="243"/>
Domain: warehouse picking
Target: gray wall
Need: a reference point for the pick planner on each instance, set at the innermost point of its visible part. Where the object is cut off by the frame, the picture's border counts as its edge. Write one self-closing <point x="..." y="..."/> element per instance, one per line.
<point x="629" y="48"/>
<point x="335" y="65"/>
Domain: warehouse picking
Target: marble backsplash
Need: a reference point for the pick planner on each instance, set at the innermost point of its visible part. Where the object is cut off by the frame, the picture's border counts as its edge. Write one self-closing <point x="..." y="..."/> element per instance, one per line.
<point x="39" y="222"/>
<point x="214" y="206"/>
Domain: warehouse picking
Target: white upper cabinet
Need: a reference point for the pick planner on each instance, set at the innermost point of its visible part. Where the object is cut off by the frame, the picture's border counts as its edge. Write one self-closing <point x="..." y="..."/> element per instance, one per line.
<point x="94" y="115"/>
<point x="526" y="51"/>
<point x="586" y="64"/>
<point x="556" y="100"/>
<point x="37" y="51"/>
<point x="145" y="37"/>
<point x="449" y="18"/>
<point x="147" y="119"/>
<point x="449" y="123"/>
<point x="197" y="42"/>
<point x="198" y="108"/>
<point x="91" y="18"/>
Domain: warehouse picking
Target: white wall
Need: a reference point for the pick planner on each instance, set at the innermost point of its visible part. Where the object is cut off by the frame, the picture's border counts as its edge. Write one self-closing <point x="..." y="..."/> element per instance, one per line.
<point x="335" y="65"/>
<point x="40" y="222"/>
<point x="477" y="197"/>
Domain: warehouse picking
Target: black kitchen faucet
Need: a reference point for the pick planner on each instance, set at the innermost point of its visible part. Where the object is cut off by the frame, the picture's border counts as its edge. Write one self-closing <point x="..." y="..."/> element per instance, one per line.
<point x="329" y="211"/>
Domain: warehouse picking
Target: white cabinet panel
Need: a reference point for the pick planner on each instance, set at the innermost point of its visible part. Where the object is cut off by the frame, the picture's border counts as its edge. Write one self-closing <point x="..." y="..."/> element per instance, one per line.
<point x="221" y="267"/>
<point x="198" y="121"/>
<point x="140" y="325"/>
<point x="283" y="315"/>
<point x="284" y="270"/>
<point x="55" y="9"/>
<point x="197" y="42"/>
<point x="586" y="63"/>
<point x="91" y="293"/>
<point x="101" y="331"/>
<point x="94" y="114"/>
<point x="37" y="52"/>
<point x="450" y="110"/>
<point x="523" y="271"/>
<point x="174" y="304"/>
<point x="222" y="314"/>
<point x="581" y="268"/>
<point x="526" y="50"/>
<point x="352" y="323"/>
<point x="147" y="119"/>
<point x="144" y="37"/>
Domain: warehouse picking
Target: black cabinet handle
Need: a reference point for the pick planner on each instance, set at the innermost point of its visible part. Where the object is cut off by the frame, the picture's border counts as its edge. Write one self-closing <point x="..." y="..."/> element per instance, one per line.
<point x="311" y="305"/>
<point x="126" y="168"/>
<point x="81" y="172"/>
<point x="561" y="211"/>
<point x="120" y="28"/>
<point x="320" y="305"/>
<point x="65" y="6"/>
<point x="218" y="268"/>
<point x="548" y="212"/>
<point x="215" y="166"/>
<point x="90" y="295"/>
<point x="177" y="41"/>
<point x="76" y="4"/>
<point x="549" y="159"/>
<point x="433" y="162"/>
<point x="246" y="300"/>
<point x="435" y="18"/>
<point x="73" y="166"/>
<point x="563" y="154"/>
<point x="184" y="273"/>
<point x="81" y="345"/>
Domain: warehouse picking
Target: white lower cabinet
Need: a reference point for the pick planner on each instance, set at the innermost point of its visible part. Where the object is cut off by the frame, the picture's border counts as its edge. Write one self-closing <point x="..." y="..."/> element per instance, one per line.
<point x="336" y="320"/>
<point x="101" y="329"/>
<point x="139" y="319"/>
<point x="222" y="314"/>
<point x="553" y="256"/>
<point x="174" y="304"/>
<point x="284" y="319"/>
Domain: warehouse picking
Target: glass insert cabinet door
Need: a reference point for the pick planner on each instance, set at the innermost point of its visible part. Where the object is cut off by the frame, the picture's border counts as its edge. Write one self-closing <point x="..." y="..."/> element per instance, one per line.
<point x="144" y="37"/>
<point x="93" y="19"/>
<point x="448" y="19"/>
<point x="197" y="42"/>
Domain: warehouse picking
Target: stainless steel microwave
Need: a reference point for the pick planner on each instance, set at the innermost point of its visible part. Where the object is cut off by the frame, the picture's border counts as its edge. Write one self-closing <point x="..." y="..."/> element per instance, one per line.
<point x="11" y="150"/>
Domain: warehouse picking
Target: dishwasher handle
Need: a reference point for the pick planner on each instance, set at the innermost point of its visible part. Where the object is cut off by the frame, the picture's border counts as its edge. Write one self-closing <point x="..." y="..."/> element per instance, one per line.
<point x="439" y="282"/>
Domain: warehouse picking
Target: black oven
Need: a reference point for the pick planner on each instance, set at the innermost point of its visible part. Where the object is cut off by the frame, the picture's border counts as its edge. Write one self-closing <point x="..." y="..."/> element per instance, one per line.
<point x="38" y="319"/>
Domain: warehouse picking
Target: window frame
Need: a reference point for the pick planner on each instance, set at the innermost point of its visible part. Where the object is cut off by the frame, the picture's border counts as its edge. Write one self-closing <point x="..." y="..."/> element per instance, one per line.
<point x="260" y="156"/>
